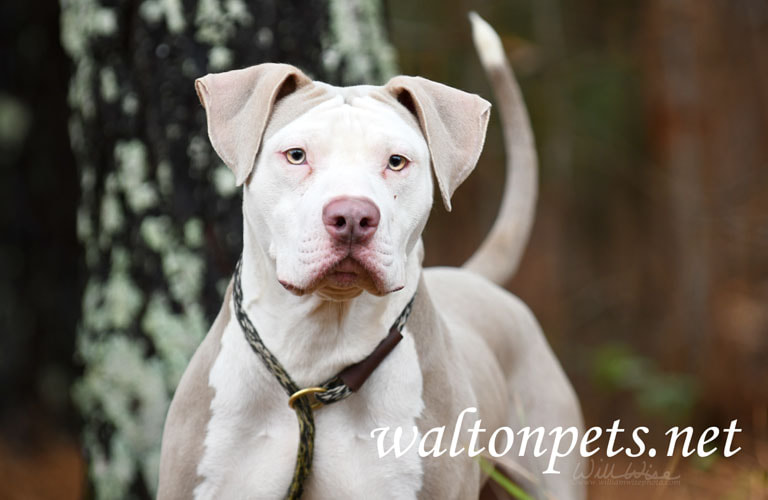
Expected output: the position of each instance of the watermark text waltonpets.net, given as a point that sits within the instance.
(564, 441)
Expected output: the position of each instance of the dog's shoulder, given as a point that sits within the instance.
(462, 293)
(473, 306)
(189, 413)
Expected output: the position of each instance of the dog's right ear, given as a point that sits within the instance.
(238, 105)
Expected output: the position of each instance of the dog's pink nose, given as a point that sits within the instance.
(351, 219)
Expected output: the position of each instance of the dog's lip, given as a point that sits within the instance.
(347, 272)
(292, 288)
(363, 272)
(348, 265)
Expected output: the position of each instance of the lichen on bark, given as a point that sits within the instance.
(356, 45)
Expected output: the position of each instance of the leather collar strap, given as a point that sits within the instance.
(334, 389)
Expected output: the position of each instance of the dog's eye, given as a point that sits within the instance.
(397, 162)
(295, 156)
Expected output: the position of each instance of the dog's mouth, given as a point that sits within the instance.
(345, 279)
(347, 273)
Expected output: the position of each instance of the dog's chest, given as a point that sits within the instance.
(251, 439)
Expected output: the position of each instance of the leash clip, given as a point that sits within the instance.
(309, 391)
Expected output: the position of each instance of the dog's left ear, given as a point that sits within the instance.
(238, 105)
(453, 122)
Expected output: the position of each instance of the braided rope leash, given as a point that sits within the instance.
(334, 389)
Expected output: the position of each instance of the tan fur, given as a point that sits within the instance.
(500, 253)
(454, 125)
(187, 420)
(237, 119)
(515, 375)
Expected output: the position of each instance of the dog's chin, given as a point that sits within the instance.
(343, 281)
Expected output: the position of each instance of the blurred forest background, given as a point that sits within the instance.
(648, 264)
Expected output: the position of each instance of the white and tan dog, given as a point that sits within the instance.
(337, 188)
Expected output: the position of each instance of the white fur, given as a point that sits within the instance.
(250, 446)
(252, 437)
(348, 147)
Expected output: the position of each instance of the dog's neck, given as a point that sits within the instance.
(312, 337)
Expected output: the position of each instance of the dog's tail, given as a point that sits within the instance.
(499, 255)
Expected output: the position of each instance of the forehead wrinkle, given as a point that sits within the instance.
(367, 143)
(365, 125)
(378, 125)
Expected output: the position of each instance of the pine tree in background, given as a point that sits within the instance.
(160, 218)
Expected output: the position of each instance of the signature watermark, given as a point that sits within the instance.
(634, 473)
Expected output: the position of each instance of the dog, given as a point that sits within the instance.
(337, 188)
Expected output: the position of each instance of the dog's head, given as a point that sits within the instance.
(337, 179)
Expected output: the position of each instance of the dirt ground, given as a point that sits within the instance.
(736, 478)
(55, 471)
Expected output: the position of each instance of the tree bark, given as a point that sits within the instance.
(707, 100)
(160, 218)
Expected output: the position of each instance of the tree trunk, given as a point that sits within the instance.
(707, 96)
(160, 218)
